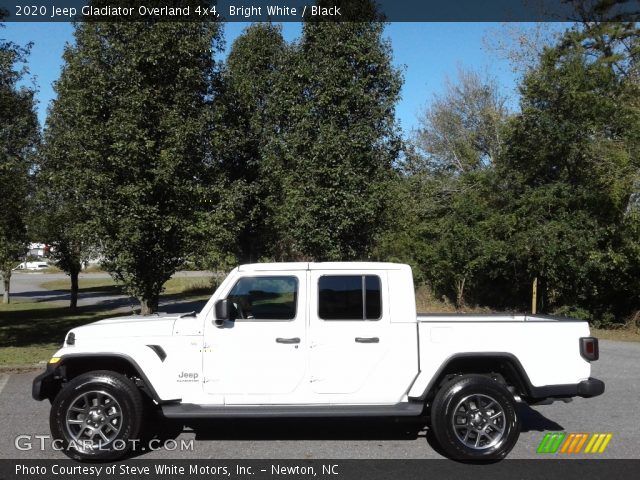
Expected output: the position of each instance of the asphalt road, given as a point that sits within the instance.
(616, 412)
(28, 286)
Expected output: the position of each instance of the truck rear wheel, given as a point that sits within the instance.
(474, 418)
(97, 416)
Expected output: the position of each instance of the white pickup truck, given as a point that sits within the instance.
(309, 340)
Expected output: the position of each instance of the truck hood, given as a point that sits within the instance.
(133, 326)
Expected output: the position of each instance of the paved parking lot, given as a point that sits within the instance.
(617, 412)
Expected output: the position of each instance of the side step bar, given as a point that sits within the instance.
(190, 410)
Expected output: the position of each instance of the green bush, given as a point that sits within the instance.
(573, 311)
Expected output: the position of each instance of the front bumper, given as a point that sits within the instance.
(44, 385)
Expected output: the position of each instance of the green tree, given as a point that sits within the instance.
(571, 169)
(59, 215)
(559, 198)
(251, 68)
(400, 236)
(336, 139)
(461, 130)
(448, 211)
(449, 228)
(461, 235)
(64, 200)
(136, 98)
(18, 139)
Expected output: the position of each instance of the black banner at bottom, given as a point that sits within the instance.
(319, 469)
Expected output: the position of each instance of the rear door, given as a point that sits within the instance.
(354, 351)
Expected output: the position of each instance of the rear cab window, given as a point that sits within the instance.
(349, 297)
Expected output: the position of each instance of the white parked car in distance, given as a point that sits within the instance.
(32, 266)
(311, 340)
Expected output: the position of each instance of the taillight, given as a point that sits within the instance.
(589, 348)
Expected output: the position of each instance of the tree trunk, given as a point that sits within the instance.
(6, 279)
(460, 292)
(73, 304)
(149, 306)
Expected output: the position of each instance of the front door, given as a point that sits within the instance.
(262, 352)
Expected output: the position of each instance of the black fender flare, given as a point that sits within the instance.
(45, 383)
(518, 374)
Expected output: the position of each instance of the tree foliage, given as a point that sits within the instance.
(461, 130)
(134, 105)
(18, 139)
(255, 60)
(572, 167)
(335, 143)
(155, 156)
(64, 203)
(454, 216)
(558, 202)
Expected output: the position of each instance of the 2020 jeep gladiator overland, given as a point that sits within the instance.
(315, 339)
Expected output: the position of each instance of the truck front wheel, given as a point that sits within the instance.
(473, 417)
(97, 416)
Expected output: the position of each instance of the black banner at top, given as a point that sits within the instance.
(319, 10)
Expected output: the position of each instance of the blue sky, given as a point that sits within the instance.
(427, 53)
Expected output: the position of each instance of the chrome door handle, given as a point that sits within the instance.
(367, 340)
(288, 340)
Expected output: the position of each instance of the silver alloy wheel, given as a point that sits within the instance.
(94, 420)
(479, 421)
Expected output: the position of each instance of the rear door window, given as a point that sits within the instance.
(349, 297)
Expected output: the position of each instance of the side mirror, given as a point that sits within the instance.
(223, 312)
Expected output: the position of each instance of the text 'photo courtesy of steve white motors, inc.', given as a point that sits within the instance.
(356, 239)
(182, 469)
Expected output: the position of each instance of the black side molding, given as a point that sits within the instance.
(189, 410)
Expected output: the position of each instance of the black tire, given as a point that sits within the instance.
(473, 417)
(101, 404)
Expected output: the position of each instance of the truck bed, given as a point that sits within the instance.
(491, 317)
(537, 343)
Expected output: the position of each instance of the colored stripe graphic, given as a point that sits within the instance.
(598, 443)
(550, 442)
(607, 439)
(583, 439)
(543, 443)
(573, 443)
(566, 445)
(576, 444)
